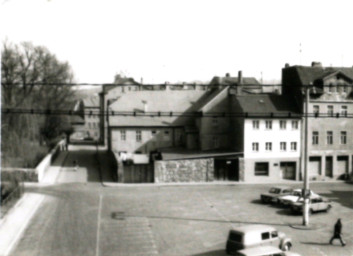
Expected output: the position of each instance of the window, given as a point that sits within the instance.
(215, 140)
(343, 137)
(138, 136)
(89, 125)
(295, 125)
(255, 124)
(166, 135)
(265, 235)
(344, 110)
(315, 138)
(283, 146)
(316, 109)
(282, 124)
(268, 125)
(123, 135)
(329, 137)
(153, 132)
(330, 110)
(274, 234)
(331, 88)
(293, 146)
(268, 146)
(261, 169)
(214, 121)
(344, 88)
(255, 147)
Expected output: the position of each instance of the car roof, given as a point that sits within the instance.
(281, 187)
(252, 228)
(260, 250)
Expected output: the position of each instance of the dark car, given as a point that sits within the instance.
(274, 193)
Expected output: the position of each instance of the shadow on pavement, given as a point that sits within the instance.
(316, 243)
(342, 197)
(258, 201)
(211, 253)
(205, 220)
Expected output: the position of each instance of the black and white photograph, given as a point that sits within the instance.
(176, 127)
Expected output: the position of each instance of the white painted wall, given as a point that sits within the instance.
(275, 135)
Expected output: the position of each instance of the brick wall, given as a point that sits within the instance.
(187, 170)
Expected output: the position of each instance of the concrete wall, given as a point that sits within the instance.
(44, 165)
(190, 170)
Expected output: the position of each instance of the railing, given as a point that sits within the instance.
(10, 200)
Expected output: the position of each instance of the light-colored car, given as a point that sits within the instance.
(274, 193)
(294, 197)
(249, 236)
(265, 251)
(316, 204)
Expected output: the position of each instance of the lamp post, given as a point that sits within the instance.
(306, 177)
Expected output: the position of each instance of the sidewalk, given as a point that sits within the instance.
(16, 220)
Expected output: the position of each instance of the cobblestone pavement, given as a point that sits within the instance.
(89, 219)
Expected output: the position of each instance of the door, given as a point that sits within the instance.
(328, 168)
(226, 169)
(288, 170)
(314, 166)
(342, 166)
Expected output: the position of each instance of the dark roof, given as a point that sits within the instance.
(267, 103)
(92, 101)
(76, 119)
(308, 75)
(227, 80)
(209, 96)
(122, 81)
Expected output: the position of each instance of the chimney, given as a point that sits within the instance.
(240, 82)
(227, 75)
(287, 65)
(167, 86)
(315, 64)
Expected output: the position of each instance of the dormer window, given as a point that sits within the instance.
(331, 88)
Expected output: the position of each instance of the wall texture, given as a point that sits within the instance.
(190, 170)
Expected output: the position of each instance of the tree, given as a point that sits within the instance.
(33, 78)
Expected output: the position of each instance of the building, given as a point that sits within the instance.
(88, 109)
(330, 123)
(266, 128)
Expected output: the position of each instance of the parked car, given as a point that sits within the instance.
(294, 197)
(265, 251)
(316, 204)
(274, 193)
(256, 235)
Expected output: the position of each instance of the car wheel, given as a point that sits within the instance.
(287, 246)
(328, 208)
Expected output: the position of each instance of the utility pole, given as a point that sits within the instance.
(306, 158)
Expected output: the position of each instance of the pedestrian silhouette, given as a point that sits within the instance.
(337, 233)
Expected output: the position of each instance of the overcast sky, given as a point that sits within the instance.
(162, 40)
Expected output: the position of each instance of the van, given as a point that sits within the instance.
(256, 235)
(265, 251)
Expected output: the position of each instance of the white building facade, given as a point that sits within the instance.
(271, 149)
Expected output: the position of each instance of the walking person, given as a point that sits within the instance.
(337, 233)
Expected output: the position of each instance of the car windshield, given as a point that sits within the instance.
(275, 190)
(297, 193)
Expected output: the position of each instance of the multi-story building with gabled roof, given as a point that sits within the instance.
(330, 122)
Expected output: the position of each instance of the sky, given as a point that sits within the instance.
(183, 40)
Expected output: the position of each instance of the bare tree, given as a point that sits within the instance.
(33, 78)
